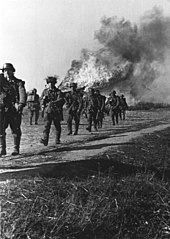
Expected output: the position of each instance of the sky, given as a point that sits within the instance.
(42, 37)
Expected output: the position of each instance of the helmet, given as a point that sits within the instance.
(8, 66)
(51, 79)
(114, 92)
(73, 85)
(34, 90)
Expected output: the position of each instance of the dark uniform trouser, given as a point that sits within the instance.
(123, 113)
(13, 119)
(114, 116)
(91, 117)
(48, 119)
(31, 114)
(2, 130)
(100, 119)
(76, 117)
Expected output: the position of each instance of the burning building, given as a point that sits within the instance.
(131, 59)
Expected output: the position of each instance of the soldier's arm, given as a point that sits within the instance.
(80, 104)
(60, 101)
(22, 93)
(103, 103)
(117, 102)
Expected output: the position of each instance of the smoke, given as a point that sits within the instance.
(132, 58)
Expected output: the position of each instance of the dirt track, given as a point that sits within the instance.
(38, 159)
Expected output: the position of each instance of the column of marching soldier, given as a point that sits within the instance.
(13, 98)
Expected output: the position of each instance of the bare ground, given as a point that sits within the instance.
(36, 159)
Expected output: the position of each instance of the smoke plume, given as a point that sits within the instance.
(132, 58)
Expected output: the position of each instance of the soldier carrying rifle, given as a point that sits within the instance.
(92, 107)
(74, 104)
(52, 102)
(114, 102)
(123, 107)
(16, 103)
(100, 114)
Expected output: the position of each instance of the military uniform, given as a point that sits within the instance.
(52, 103)
(114, 102)
(6, 99)
(92, 107)
(13, 115)
(33, 103)
(74, 104)
(123, 107)
(100, 114)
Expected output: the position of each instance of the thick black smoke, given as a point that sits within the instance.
(134, 55)
(142, 47)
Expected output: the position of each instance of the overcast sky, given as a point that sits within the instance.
(42, 37)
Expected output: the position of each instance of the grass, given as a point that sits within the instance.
(126, 196)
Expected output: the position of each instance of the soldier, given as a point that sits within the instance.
(13, 116)
(33, 103)
(4, 105)
(123, 107)
(92, 107)
(52, 102)
(100, 115)
(114, 101)
(74, 104)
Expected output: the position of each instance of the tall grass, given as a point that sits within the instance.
(97, 207)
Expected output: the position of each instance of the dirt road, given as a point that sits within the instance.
(37, 159)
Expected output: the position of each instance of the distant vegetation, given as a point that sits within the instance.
(148, 106)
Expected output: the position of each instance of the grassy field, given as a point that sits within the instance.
(122, 194)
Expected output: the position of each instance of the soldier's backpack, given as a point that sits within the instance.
(31, 96)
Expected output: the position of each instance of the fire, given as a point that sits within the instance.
(130, 58)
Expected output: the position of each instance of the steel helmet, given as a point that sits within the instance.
(51, 79)
(72, 84)
(8, 66)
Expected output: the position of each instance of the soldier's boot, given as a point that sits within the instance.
(36, 118)
(2, 146)
(44, 141)
(95, 128)
(57, 140)
(76, 128)
(30, 121)
(69, 126)
(88, 128)
(16, 145)
(113, 121)
(45, 138)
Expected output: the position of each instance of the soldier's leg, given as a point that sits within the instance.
(31, 113)
(117, 117)
(77, 122)
(69, 123)
(15, 124)
(124, 112)
(120, 114)
(2, 134)
(89, 120)
(36, 116)
(46, 131)
(57, 124)
(112, 117)
(100, 120)
(95, 120)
